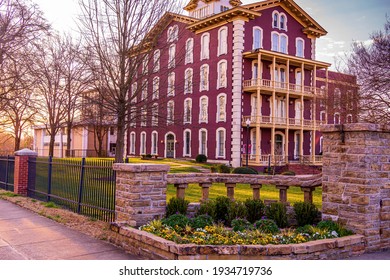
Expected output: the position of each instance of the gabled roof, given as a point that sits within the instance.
(310, 26)
(193, 4)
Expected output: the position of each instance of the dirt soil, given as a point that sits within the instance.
(97, 229)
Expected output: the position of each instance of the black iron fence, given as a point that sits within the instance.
(85, 186)
(7, 165)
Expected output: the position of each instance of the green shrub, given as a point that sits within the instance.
(306, 213)
(241, 225)
(277, 211)
(267, 226)
(177, 206)
(236, 210)
(255, 209)
(207, 208)
(202, 221)
(222, 207)
(331, 225)
(201, 158)
(222, 168)
(244, 170)
(176, 221)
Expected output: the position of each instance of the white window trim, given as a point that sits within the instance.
(261, 37)
(205, 49)
(218, 107)
(200, 109)
(278, 19)
(189, 57)
(172, 33)
(296, 151)
(145, 64)
(334, 118)
(200, 141)
(190, 89)
(171, 87)
(144, 91)
(222, 49)
(156, 88)
(283, 141)
(185, 143)
(142, 146)
(165, 143)
(132, 143)
(285, 22)
(144, 115)
(303, 46)
(280, 43)
(171, 121)
(185, 102)
(219, 74)
(156, 61)
(154, 116)
(217, 155)
(279, 47)
(208, 78)
(171, 56)
(151, 144)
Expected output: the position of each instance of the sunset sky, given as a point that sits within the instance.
(345, 20)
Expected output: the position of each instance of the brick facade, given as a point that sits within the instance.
(21, 170)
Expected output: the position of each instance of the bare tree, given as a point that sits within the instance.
(115, 33)
(371, 65)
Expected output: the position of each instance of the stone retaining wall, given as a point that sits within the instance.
(149, 246)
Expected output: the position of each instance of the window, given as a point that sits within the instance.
(298, 80)
(133, 114)
(279, 42)
(144, 92)
(132, 143)
(254, 105)
(187, 143)
(205, 42)
(145, 65)
(222, 41)
(337, 98)
(173, 33)
(297, 145)
(283, 22)
(349, 118)
(156, 87)
(283, 43)
(171, 84)
(189, 58)
(153, 149)
(257, 37)
(222, 76)
(142, 150)
(221, 108)
(203, 112)
(300, 47)
(221, 140)
(203, 142)
(155, 114)
(156, 61)
(172, 53)
(275, 19)
(170, 112)
(323, 117)
(204, 77)
(275, 42)
(134, 90)
(188, 110)
(255, 70)
(336, 118)
(188, 80)
(144, 113)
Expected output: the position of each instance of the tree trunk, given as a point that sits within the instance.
(51, 145)
(68, 138)
(120, 140)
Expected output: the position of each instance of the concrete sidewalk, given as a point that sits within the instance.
(25, 235)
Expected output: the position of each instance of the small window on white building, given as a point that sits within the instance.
(222, 41)
(205, 46)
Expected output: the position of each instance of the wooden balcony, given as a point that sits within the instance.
(254, 84)
(268, 121)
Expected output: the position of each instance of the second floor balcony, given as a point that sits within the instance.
(269, 121)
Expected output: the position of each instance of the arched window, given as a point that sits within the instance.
(203, 141)
(222, 41)
(155, 114)
(204, 48)
(257, 37)
(187, 143)
(222, 76)
(300, 47)
(275, 41)
(172, 33)
(283, 22)
(188, 80)
(275, 19)
(283, 43)
(204, 77)
(144, 92)
(170, 112)
(143, 143)
(171, 84)
(132, 143)
(156, 61)
(156, 87)
(221, 107)
(188, 110)
(154, 147)
(172, 53)
(336, 118)
(189, 58)
(221, 143)
(203, 110)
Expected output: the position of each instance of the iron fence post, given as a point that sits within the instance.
(50, 172)
(6, 173)
(81, 185)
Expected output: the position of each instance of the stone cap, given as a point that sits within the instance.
(26, 152)
(141, 167)
(355, 127)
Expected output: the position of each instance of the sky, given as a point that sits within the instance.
(345, 20)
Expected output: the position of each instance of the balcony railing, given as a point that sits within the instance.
(293, 88)
(292, 122)
(281, 160)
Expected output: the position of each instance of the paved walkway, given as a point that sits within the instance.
(25, 235)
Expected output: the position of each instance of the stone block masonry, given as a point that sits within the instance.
(356, 180)
(140, 193)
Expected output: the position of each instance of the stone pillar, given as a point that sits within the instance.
(356, 180)
(21, 176)
(140, 193)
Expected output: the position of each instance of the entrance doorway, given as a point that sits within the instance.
(170, 146)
